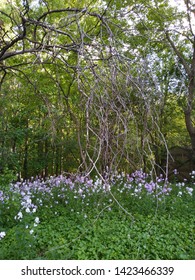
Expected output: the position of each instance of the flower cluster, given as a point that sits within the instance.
(36, 193)
(57, 187)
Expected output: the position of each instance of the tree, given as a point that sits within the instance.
(93, 75)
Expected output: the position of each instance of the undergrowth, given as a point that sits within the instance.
(131, 217)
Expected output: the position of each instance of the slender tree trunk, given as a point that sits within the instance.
(25, 165)
(46, 159)
(57, 160)
(189, 107)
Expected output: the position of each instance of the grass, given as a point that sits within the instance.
(80, 219)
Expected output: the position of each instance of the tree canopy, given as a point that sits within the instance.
(92, 86)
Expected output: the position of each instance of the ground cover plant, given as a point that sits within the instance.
(125, 216)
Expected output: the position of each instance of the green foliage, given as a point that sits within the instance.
(6, 177)
(111, 237)
(96, 227)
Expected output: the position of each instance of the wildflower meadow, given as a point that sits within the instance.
(125, 216)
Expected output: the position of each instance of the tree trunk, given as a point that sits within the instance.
(190, 128)
(46, 159)
(190, 100)
(25, 165)
(190, 71)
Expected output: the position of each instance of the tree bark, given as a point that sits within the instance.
(190, 128)
(190, 71)
(190, 99)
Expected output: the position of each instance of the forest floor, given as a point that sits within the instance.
(78, 218)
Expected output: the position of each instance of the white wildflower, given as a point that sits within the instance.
(37, 220)
(27, 210)
(179, 194)
(2, 235)
(19, 216)
(189, 190)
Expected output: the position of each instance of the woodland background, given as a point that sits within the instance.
(90, 86)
